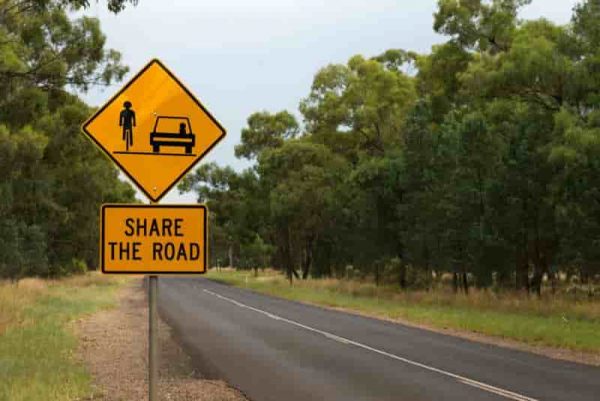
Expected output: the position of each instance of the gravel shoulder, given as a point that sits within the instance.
(114, 348)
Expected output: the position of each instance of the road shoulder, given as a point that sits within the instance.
(565, 354)
(113, 346)
(585, 358)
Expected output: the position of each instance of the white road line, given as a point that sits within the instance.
(461, 379)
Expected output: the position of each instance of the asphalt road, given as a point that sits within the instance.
(273, 349)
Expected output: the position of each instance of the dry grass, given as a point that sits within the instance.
(508, 301)
(36, 343)
(15, 298)
(560, 321)
(33, 284)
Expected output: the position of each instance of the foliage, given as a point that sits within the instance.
(478, 160)
(266, 131)
(53, 181)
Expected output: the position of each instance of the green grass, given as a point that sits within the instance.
(37, 344)
(551, 321)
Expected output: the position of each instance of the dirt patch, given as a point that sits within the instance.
(114, 347)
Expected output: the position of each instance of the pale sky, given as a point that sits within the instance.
(242, 56)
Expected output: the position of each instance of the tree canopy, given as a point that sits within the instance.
(53, 180)
(478, 160)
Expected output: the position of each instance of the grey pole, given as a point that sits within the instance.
(152, 338)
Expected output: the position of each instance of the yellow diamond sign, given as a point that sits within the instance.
(154, 129)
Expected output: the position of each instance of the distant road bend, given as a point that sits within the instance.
(274, 349)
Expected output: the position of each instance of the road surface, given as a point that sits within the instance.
(274, 349)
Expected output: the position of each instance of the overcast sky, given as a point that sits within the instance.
(242, 56)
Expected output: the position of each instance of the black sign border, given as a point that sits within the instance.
(142, 206)
(114, 160)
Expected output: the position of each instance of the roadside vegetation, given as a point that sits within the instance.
(560, 321)
(476, 161)
(53, 180)
(37, 345)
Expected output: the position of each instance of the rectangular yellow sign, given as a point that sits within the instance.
(153, 239)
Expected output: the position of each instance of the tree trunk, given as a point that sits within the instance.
(230, 255)
(539, 269)
(307, 260)
(536, 282)
(587, 278)
(554, 281)
(291, 262)
(402, 276)
(522, 271)
(455, 282)
(465, 282)
(286, 255)
(428, 269)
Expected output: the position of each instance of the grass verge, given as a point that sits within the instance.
(37, 346)
(556, 322)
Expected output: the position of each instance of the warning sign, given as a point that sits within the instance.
(153, 239)
(154, 129)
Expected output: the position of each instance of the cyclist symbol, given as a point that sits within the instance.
(127, 121)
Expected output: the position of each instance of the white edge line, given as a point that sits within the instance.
(464, 380)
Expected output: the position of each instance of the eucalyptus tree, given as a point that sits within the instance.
(53, 181)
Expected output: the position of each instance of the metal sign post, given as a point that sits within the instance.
(173, 131)
(152, 337)
(153, 239)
